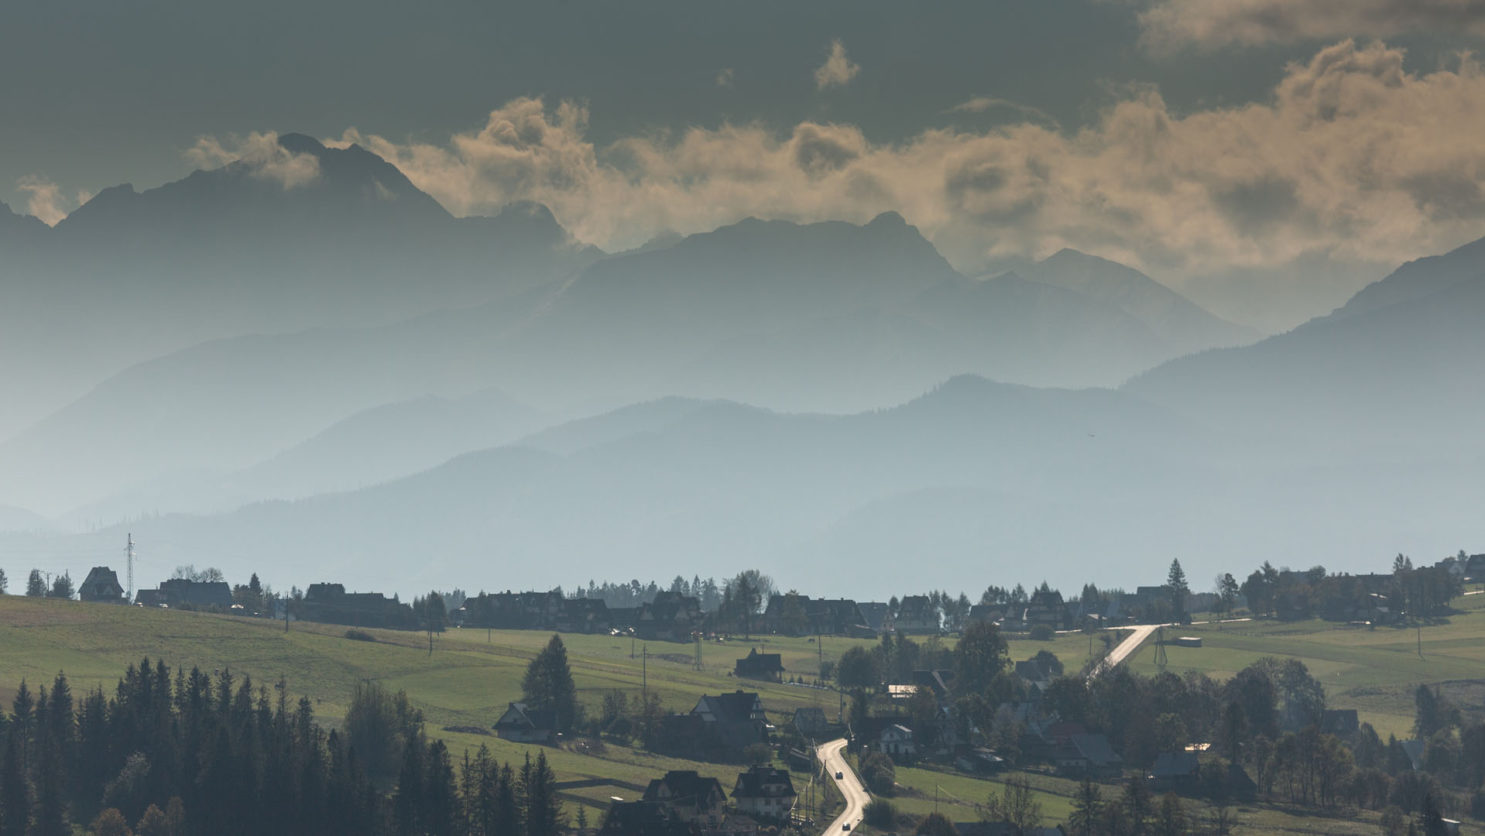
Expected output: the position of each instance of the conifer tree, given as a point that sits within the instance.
(548, 685)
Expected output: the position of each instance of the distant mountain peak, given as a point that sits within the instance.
(301, 144)
(888, 218)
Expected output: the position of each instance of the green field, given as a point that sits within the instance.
(472, 674)
(1372, 670)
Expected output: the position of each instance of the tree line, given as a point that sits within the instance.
(180, 754)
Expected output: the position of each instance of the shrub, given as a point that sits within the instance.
(360, 636)
(881, 814)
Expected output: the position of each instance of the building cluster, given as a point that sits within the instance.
(685, 803)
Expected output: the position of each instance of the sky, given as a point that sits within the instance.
(1187, 138)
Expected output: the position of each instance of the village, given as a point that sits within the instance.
(929, 684)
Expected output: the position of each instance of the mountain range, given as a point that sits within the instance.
(793, 396)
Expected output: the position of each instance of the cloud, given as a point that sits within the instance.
(987, 104)
(46, 201)
(1209, 24)
(261, 153)
(1352, 158)
(837, 71)
(724, 77)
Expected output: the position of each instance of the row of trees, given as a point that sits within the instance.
(181, 753)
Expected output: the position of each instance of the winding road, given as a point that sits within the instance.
(832, 755)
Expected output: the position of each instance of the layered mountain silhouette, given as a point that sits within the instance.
(312, 237)
(1393, 373)
(829, 317)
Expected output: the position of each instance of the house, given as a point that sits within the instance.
(179, 593)
(719, 728)
(757, 665)
(1178, 772)
(670, 617)
(876, 616)
(689, 797)
(1046, 608)
(329, 603)
(896, 741)
(644, 818)
(150, 598)
(1087, 754)
(101, 585)
(915, 614)
(811, 722)
(524, 724)
(978, 760)
(764, 792)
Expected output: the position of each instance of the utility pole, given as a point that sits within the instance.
(129, 561)
(644, 671)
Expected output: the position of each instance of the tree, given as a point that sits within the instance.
(542, 811)
(1016, 806)
(35, 586)
(1087, 809)
(111, 822)
(936, 824)
(61, 586)
(979, 658)
(4, 584)
(548, 686)
(189, 572)
(1227, 594)
(878, 773)
(1170, 820)
(1177, 587)
(880, 813)
(857, 669)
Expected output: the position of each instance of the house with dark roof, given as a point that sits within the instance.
(102, 586)
(1046, 608)
(180, 593)
(1088, 754)
(524, 724)
(1178, 772)
(644, 818)
(755, 665)
(689, 797)
(916, 615)
(876, 616)
(765, 793)
(719, 728)
(670, 617)
(329, 603)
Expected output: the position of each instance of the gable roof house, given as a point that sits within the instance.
(1088, 754)
(689, 796)
(876, 616)
(718, 728)
(757, 665)
(764, 792)
(670, 617)
(180, 593)
(897, 741)
(915, 614)
(101, 585)
(524, 724)
(1178, 772)
(329, 603)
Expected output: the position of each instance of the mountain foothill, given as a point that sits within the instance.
(335, 372)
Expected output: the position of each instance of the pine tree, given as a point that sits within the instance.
(1177, 587)
(1087, 809)
(548, 685)
(35, 586)
(15, 790)
(542, 811)
(4, 582)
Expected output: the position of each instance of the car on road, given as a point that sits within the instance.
(839, 775)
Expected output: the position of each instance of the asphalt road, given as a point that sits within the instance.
(832, 754)
(1137, 636)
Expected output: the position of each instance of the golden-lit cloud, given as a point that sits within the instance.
(1208, 24)
(261, 153)
(838, 70)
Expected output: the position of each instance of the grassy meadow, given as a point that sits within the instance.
(472, 674)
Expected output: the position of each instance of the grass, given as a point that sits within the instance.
(466, 682)
(1374, 670)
